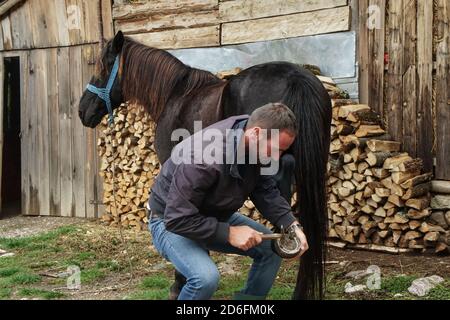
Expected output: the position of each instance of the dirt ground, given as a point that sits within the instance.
(107, 257)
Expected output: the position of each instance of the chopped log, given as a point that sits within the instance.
(419, 203)
(418, 214)
(417, 191)
(395, 161)
(414, 165)
(345, 111)
(383, 146)
(400, 177)
(417, 180)
(377, 159)
(369, 131)
(365, 117)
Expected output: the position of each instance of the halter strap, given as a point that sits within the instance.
(105, 93)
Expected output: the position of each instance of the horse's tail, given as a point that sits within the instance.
(312, 105)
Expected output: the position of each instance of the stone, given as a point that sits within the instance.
(6, 255)
(440, 202)
(447, 217)
(438, 217)
(421, 287)
(349, 288)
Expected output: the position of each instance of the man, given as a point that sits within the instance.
(194, 203)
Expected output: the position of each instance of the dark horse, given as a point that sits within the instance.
(176, 95)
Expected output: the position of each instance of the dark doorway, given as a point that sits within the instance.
(11, 177)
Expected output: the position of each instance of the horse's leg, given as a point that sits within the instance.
(285, 176)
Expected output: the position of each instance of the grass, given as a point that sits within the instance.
(39, 293)
(104, 261)
(397, 284)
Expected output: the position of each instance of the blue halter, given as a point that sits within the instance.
(105, 93)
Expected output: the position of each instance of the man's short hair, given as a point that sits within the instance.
(274, 116)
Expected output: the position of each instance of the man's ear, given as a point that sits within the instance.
(118, 42)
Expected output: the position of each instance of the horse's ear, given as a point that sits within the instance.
(118, 42)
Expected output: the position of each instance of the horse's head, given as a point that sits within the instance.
(104, 92)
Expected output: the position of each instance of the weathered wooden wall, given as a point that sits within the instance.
(57, 42)
(405, 75)
(50, 23)
(59, 158)
(170, 24)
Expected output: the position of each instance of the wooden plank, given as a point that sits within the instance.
(394, 96)
(376, 54)
(409, 78)
(442, 91)
(409, 112)
(144, 9)
(38, 24)
(75, 21)
(185, 38)
(7, 33)
(363, 34)
(90, 163)
(25, 135)
(65, 134)
(240, 10)
(1, 38)
(78, 132)
(2, 107)
(169, 21)
(53, 133)
(62, 23)
(108, 25)
(90, 16)
(21, 30)
(33, 125)
(425, 83)
(43, 155)
(294, 25)
(8, 5)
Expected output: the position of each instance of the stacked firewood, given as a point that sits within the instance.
(129, 165)
(377, 193)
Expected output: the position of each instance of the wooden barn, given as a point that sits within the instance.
(47, 54)
(390, 54)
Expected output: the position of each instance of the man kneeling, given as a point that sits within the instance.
(194, 203)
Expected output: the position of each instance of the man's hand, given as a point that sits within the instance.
(303, 241)
(244, 237)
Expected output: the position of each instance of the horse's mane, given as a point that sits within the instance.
(151, 76)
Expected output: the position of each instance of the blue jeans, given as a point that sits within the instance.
(191, 259)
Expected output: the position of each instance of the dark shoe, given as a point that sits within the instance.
(177, 286)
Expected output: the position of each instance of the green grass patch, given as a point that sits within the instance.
(397, 284)
(155, 282)
(5, 293)
(158, 294)
(8, 272)
(24, 278)
(38, 293)
(441, 292)
(91, 275)
(36, 242)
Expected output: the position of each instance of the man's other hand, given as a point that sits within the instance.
(244, 237)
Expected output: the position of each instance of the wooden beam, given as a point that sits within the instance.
(8, 5)
(288, 26)
(254, 9)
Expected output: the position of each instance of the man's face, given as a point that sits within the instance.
(269, 149)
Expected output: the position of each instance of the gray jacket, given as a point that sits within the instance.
(196, 200)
